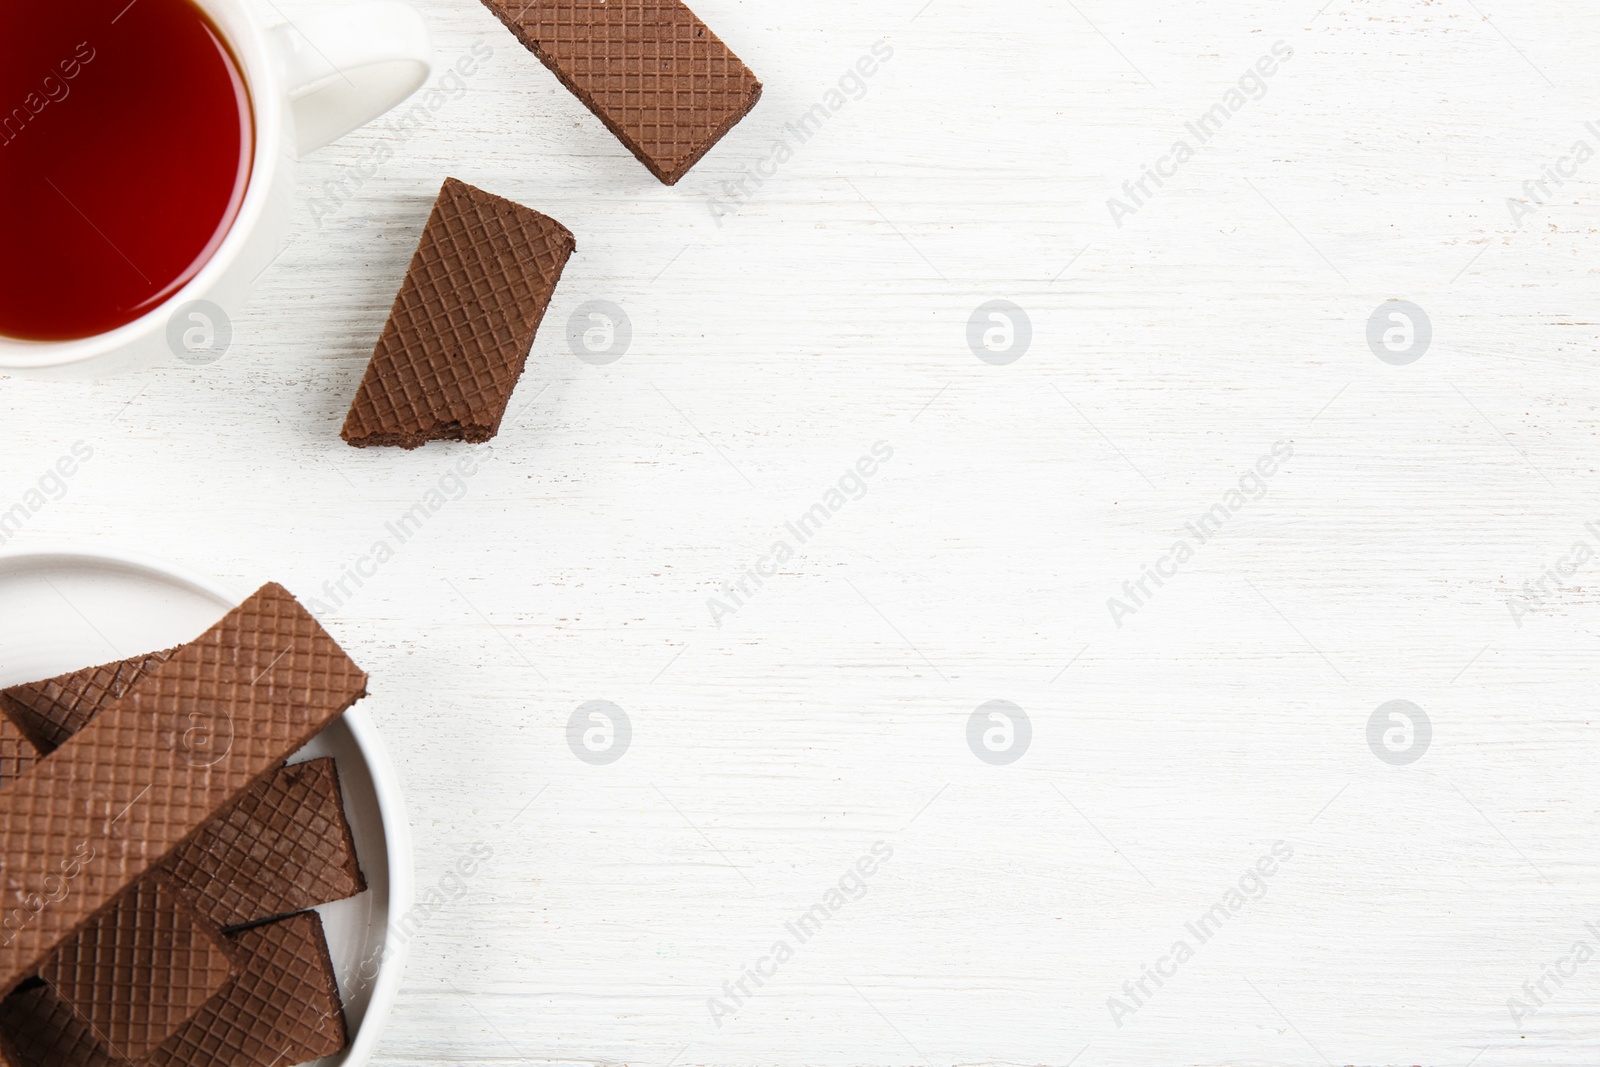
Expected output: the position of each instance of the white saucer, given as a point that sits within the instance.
(63, 609)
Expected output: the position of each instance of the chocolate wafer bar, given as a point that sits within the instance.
(283, 1009)
(285, 847)
(53, 710)
(649, 69)
(148, 771)
(17, 753)
(460, 330)
(141, 969)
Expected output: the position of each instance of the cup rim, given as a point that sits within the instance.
(248, 39)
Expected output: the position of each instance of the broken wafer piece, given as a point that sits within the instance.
(649, 69)
(461, 328)
(151, 769)
(53, 710)
(285, 847)
(141, 968)
(282, 1009)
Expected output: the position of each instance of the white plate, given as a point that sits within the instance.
(62, 609)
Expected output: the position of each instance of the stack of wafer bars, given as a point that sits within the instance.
(159, 858)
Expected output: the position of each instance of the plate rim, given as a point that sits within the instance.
(385, 780)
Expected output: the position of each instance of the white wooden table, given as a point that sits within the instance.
(829, 711)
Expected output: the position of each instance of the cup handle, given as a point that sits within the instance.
(346, 66)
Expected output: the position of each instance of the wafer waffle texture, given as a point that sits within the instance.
(650, 70)
(123, 794)
(38, 1029)
(282, 1008)
(285, 847)
(141, 968)
(51, 711)
(458, 335)
(17, 753)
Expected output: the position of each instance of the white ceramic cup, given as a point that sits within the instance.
(311, 82)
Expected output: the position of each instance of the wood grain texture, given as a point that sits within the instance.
(830, 712)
